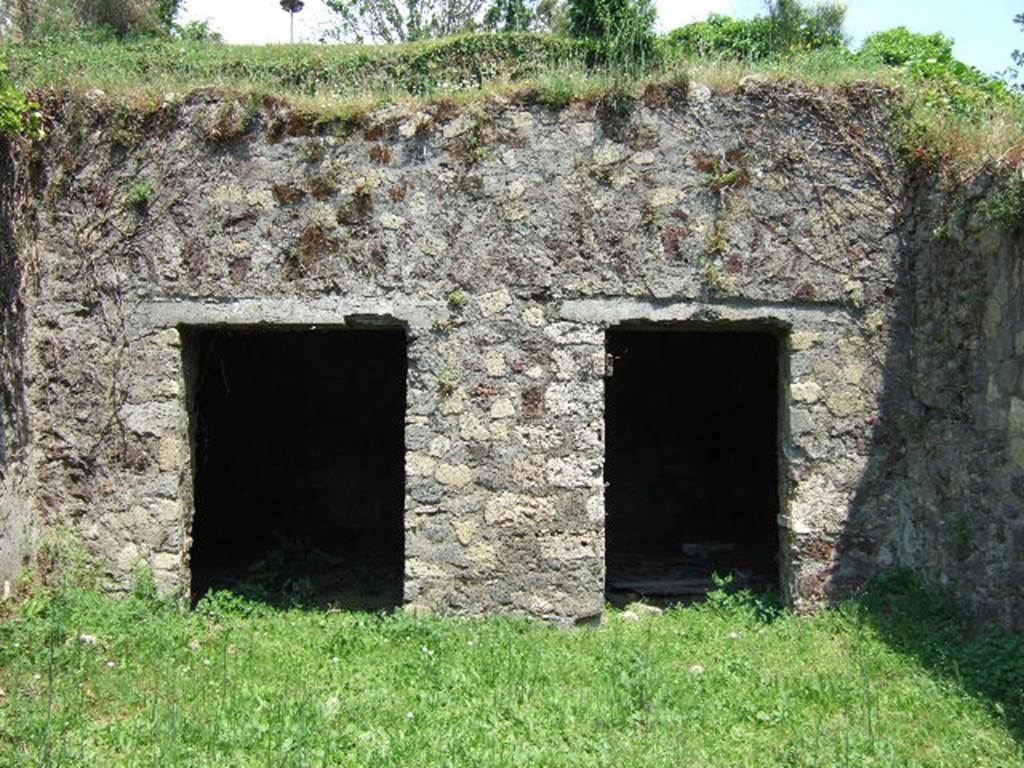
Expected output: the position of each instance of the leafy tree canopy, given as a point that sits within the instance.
(26, 19)
(400, 21)
(623, 30)
(1018, 55)
(509, 16)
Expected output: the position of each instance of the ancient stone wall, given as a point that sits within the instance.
(506, 237)
(955, 487)
(15, 493)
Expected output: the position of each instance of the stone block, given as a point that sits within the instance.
(494, 364)
(805, 391)
(456, 475)
(567, 333)
(418, 465)
(517, 510)
(502, 408)
(574, 472)
(492, 303)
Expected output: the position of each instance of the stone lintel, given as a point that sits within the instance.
(610, 311)
(324, 311)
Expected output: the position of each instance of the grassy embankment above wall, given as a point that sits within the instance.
(947, 111)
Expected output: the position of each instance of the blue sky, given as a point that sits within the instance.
(983, 29)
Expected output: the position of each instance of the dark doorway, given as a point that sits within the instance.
(298, 443)
(692, 461)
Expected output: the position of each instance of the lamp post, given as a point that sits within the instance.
(293, 7)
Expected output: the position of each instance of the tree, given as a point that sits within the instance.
(622, 30)
(795, 26)
(400, 21)
(166, 11)
(552, 16)
(1018, 55)
(526, 15)
(292, 7)
(509, 16)
(125, 18)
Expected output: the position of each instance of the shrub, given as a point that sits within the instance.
(723, 36)
(789, 27)
(948, 84)
(197, 32)
(900, 46)
(1004, 208)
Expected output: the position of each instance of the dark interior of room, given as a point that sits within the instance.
(692, 461)
(298, 443)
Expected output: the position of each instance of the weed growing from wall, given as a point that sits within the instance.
(139, 196)
(1004, 208)
(18, 114)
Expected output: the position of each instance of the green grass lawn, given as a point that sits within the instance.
(891, 681)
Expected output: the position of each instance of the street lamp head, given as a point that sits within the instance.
(292, 6)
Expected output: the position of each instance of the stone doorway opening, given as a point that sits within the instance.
(298, 464)
(692, 460)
